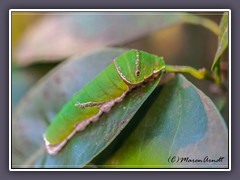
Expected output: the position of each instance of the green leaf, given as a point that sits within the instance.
(222, 44)
(46, 98)
(181, 121)
(82, 32)
(24, 78)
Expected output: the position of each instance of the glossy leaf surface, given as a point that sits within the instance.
(181, 123)
(222, 41)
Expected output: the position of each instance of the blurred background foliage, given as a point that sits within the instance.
(21, 22)
(35, 34)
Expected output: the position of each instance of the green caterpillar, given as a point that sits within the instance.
(127, 71)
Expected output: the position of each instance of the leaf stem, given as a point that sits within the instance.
(199, 74)
(198, 20)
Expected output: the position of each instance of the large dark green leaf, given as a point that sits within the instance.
(180, 122)
(45, 99)
(58, 36)
(24, 78)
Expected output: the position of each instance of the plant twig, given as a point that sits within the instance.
(207, 23)
(199, 74)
